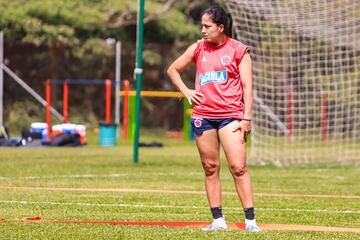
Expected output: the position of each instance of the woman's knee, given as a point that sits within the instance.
(238, 170)
(210, 168)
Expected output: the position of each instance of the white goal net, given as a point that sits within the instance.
(306, 71)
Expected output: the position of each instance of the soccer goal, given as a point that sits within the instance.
(306, 70)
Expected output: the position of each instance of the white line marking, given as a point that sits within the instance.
(164, 191)
(112, 175)
(177, 207)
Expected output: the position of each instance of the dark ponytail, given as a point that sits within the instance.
(220, 16)
(229, 28)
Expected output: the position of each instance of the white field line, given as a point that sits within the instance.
(165, 191)
(175, 207)
(113, 175)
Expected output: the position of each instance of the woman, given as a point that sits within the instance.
(222, 109)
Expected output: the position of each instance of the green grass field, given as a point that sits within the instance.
(173, 167)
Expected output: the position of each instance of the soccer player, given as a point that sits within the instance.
(222, 109)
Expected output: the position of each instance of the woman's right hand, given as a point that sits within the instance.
(193, 96)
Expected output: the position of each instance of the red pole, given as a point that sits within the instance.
(48, 104)
(107, 101)
(290, 113)
(65, 102)
(324, 117)
(126, 110)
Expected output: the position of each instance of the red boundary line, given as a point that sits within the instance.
(232, 226)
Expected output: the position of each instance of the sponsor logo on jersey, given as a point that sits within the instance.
(225, 60)
(218, 76)
(197, 122)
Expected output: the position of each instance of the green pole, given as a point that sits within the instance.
(131, 116)
(186, 120)
(138, 73)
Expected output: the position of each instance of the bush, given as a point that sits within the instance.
(20, 115)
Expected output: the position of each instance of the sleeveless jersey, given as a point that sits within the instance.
(218, 78)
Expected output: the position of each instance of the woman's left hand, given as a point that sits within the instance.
(244, 127)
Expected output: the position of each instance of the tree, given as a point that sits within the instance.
(65, 39)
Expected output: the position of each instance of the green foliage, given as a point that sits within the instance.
(22, 114)
(176, 25)
(93, 47)
(73, 22)
(89, 119)
(152, 57)
(48, 22)
(66, 39)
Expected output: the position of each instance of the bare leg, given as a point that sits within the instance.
(235, 152)
(208, 146)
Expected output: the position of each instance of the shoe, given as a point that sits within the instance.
(217, 224)
(251, 226)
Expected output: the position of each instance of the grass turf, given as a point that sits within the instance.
(173, 167)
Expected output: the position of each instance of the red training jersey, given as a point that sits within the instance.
(218, 78)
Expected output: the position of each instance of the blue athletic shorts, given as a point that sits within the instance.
(199, 125)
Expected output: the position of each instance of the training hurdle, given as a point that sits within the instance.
(129, 110)
(66, 84)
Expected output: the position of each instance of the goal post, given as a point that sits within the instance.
(306, 72)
